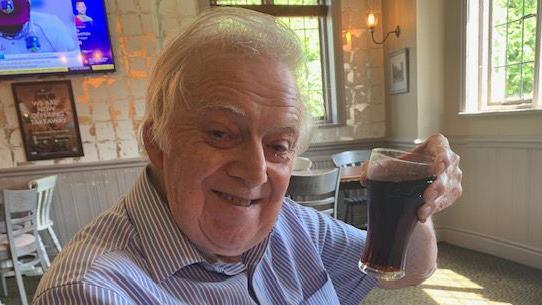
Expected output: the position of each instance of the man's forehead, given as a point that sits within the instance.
(288, 120)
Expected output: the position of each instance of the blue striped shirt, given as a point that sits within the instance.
(135, 254)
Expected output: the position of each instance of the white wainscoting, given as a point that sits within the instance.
(500, 212)
(82, 192)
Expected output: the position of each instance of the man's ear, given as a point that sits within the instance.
(156, 155)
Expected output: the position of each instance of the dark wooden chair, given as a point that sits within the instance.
(355, 194)
(317, 189)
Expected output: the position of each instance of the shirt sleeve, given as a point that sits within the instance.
(80, 294)
(340, 246)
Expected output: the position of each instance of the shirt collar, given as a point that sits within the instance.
(165, 248)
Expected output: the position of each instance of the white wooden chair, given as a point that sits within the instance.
(45, 187)
(318, 189)
(19, 247)
(302, 164)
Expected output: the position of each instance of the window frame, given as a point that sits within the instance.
(330, 49)
(476, 89)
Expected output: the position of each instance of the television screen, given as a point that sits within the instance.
(54, 36)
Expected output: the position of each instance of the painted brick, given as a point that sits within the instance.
(120, 109)
(188, 7)
(127, 6)
(119, 90)
(87, 133)
(4, 143)
(6, 161)
(139, 108)
(138, 87)
(107, 150)
(129, 149)
(15, 137)
(167, 8)
(124, 130)
(149, 24)
(19, 157)
(91, 152)
(131, 25)
(100, 112)
(11, 117)
(104, 131)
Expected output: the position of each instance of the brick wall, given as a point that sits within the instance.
(111, 106)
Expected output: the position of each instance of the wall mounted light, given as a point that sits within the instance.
(371, 24)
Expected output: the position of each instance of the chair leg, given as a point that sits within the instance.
(43, 254)
(20, 284)
(4, 285)
(347, 213)
(54, 238)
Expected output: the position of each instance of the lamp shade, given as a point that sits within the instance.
(371, 21)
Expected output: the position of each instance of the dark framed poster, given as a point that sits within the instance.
(48, 119)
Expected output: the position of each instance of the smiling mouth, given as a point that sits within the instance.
(234, 200)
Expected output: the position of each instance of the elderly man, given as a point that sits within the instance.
(207, 221)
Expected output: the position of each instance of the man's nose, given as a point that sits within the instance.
(250, 165)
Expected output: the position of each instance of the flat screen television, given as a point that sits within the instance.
(54, 36)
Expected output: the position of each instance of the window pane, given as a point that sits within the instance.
(498, 50)
(529, 6)
(498, 82)
(499, 12)
(238, 2)
(528, 76)
(515, 10)
(514, 50)
(297, 2)
(513, 82)
(311, 86)
(529, 39)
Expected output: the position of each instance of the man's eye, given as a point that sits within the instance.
(279, 148)
(218, 134)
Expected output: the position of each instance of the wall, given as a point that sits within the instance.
(402, 114)
(525, 124)
(111, 106)
(501, 155)
(364, 79)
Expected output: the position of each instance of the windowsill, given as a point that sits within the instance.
(501, 112)
(329, 125)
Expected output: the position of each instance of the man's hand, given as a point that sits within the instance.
(446, 188)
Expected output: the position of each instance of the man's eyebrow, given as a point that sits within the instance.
(225, 108)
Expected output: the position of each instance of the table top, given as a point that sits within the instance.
(350, 174)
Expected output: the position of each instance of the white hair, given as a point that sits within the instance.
(215, 32)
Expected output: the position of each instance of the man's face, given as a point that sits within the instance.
(81, 8)
(230, 161)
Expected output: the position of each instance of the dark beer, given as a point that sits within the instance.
(392, 217)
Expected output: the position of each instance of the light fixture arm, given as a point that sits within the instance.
(397, 32)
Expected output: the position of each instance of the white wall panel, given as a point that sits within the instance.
(500, 211)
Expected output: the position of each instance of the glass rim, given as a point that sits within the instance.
(379, 150)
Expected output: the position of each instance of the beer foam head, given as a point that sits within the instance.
(397, 165)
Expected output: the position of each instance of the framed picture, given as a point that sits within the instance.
(48, 119)
(399, 71)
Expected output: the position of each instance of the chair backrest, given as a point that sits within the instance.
(45, 187)
(317, 189)
(302, 164)
(20, 211)
(351, 157)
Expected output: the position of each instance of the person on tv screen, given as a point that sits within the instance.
(23, 30)
(82, 18)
